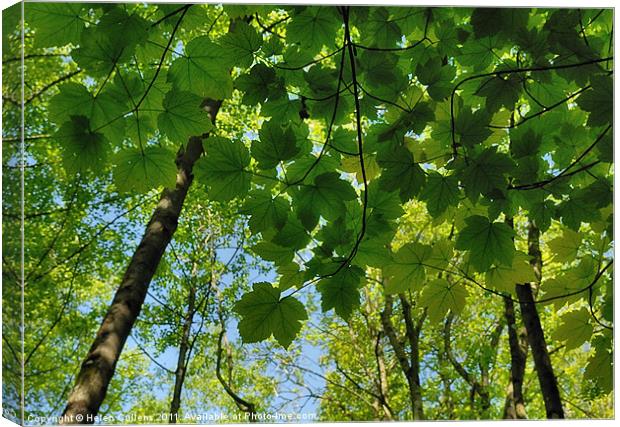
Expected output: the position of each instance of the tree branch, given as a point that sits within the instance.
(564, 172)
(504, 72)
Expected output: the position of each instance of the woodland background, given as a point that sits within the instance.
(363, 213)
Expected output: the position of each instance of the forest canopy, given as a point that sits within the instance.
(330, 212)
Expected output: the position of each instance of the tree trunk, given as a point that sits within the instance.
(475, 386)
(413, 335)
(383, 384)
(97, 369)
(375, 331)
(517, 341)
(411, 372)
(179, 374)
(249, 408)
(535, 334)
(446, 401)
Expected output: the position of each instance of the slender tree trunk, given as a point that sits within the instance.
(98, 368)
(446, 400)
(413, 335)
(517, 341)
(181, 370)
(249, 408)
(383, 384)
(411, 372)
(375, 331)
(536, 338)
(475, 386)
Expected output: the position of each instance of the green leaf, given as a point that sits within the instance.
(337, 235)
(263, 314)
(486, 172)
(381, 31)
(266, 211)
(104, 111)
(133, 86)
(471, 128)
(55, 24)
(487, 242)
(383, 203)
(479, 53)
(440, 192)
(284, 109)
(183, 117)
(202, 70)
(308, 167)
(277, 143)
(144, 169)
(524, 143)
(442, 255)
(574, 211)
(407, 269)
(605, 149)
(439, 296)
(599, 101)
(293, 235)
(11, 26)
(259, 84)
(599, 368)
(223, 169)
(565, 248)
(325, 197)
(290, 276)
(240, 10)
(314, 27)
(112, 41)
(599, 193)
(449, 37)
(500, 92)
(72, 99)
(437, 77)
(574, 329)
(541, 213)
(409, 20)
(341, 291)
(239, 45)
(82, 149)
(492, 21)
(378, 67)
(275, 253)
(400, 172)
(505, 277)
(570, 286)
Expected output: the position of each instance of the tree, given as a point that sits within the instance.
(337, 132)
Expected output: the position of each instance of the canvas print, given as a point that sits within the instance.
(233, 213)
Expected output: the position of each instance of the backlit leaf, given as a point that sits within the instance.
(487, 242)
(265, 313)
(223, 169)
(144, 169)
(439, 296)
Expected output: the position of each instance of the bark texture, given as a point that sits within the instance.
(381, 403)
(247, 407)
(479, 387)
(98, 368)
(184, 347)
(411, 370)
(514, 407)
(535, 335)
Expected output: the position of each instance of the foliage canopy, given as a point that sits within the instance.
(372, 153)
